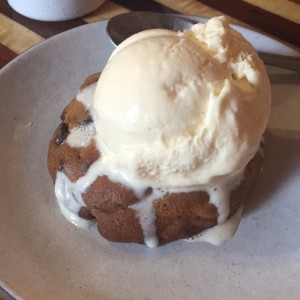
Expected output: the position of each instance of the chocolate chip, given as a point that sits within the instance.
(148, 191)
(61, 165)
(88, 120)
(62, 133)
(84, 213)
(63, 114)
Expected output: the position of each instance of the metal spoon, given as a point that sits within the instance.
(122, 26)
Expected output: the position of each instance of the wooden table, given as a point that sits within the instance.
(277, 18)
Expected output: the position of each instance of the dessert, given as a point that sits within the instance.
(164, 144)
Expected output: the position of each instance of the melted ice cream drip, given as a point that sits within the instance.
(75, 219)
(70, 200)
(146, 213)
(220, 233)
(80, 136)
(86, 95)
(219, 195)
(69, 194)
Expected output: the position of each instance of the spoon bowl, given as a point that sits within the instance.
(123, 26)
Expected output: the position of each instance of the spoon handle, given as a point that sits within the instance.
(282, 61)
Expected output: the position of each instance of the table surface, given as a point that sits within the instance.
(279, 19)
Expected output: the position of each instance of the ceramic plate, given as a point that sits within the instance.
(42, 256)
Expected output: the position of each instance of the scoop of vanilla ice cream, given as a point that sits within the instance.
(182, 109)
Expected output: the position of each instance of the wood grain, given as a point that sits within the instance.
(106, 11)
(15, 36)
(146, 5)
(196, 8)
(191, 7)
(6, 55)
(286, 9)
